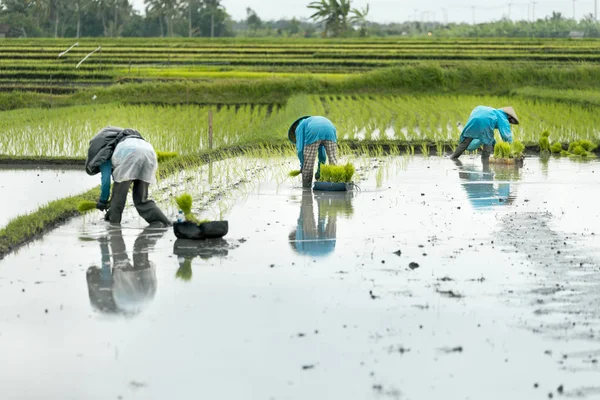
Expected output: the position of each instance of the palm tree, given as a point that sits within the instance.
(360, 17)
(154, 8)
(50, 9)
(16, 6)
(213, 7)
(166, 9)
(334, 13)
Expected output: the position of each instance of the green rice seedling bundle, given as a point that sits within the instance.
(337, 173)
(584, 144)
(505, 153)
(86, 206)
(294, 173)
(502, 150)
(184, 202)
(556, 148)
(516, 149)
(165, 155)
(580, 148)
(544, 142)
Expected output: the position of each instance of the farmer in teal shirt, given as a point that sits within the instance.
(313, 135)
(480, 130)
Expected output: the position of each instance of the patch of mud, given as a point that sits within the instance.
(567, 301)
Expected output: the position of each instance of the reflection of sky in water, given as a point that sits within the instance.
(262, 293)
(33, 188)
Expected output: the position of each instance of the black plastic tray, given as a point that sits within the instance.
(330, 186)
(206, 230)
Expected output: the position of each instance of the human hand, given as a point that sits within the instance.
(102, 205)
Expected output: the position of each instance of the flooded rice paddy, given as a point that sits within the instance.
(25, 189)
(433, 280)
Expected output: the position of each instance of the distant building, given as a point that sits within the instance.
(4, 29)
(576, 34)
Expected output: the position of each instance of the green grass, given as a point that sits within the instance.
(26, 227)
(418, 78)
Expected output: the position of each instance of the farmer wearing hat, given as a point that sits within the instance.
(313, 135)
(480, 130)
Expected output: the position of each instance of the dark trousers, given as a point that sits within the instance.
(462, 147)
(146, 208)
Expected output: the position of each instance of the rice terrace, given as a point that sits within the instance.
(360, 217)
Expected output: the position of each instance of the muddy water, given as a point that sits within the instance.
(25, 190)
(431, 281)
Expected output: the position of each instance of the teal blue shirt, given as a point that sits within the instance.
(481, 125)
(106, 172)
(311, 130)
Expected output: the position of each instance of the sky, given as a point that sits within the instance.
(425, 10)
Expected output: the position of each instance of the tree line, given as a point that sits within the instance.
(209, 18)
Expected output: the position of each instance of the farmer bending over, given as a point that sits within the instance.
(480, 130)
(130, 159)
(313, 135)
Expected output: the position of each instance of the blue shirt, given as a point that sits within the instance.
(106, 172)
(311, 130)
(481, 124)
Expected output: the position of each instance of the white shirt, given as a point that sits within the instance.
(134, 159)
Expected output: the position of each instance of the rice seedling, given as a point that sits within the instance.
(556, 148)
(439, 147)
(86, 206)
(184, 202)
(580, 148)
(585, 145)
(502, 150)
(337, 173)
(294, 173)
(516, 149)
(165, 155)
(183, 129)
(544, 142)
(508, 151)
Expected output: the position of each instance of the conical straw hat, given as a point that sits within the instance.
(292, 130)
(511, 111)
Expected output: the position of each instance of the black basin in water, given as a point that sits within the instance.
(331, 186)
(206, 230)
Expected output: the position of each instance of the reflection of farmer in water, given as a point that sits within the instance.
(480, 186)
(125, 288)
(317, 237)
